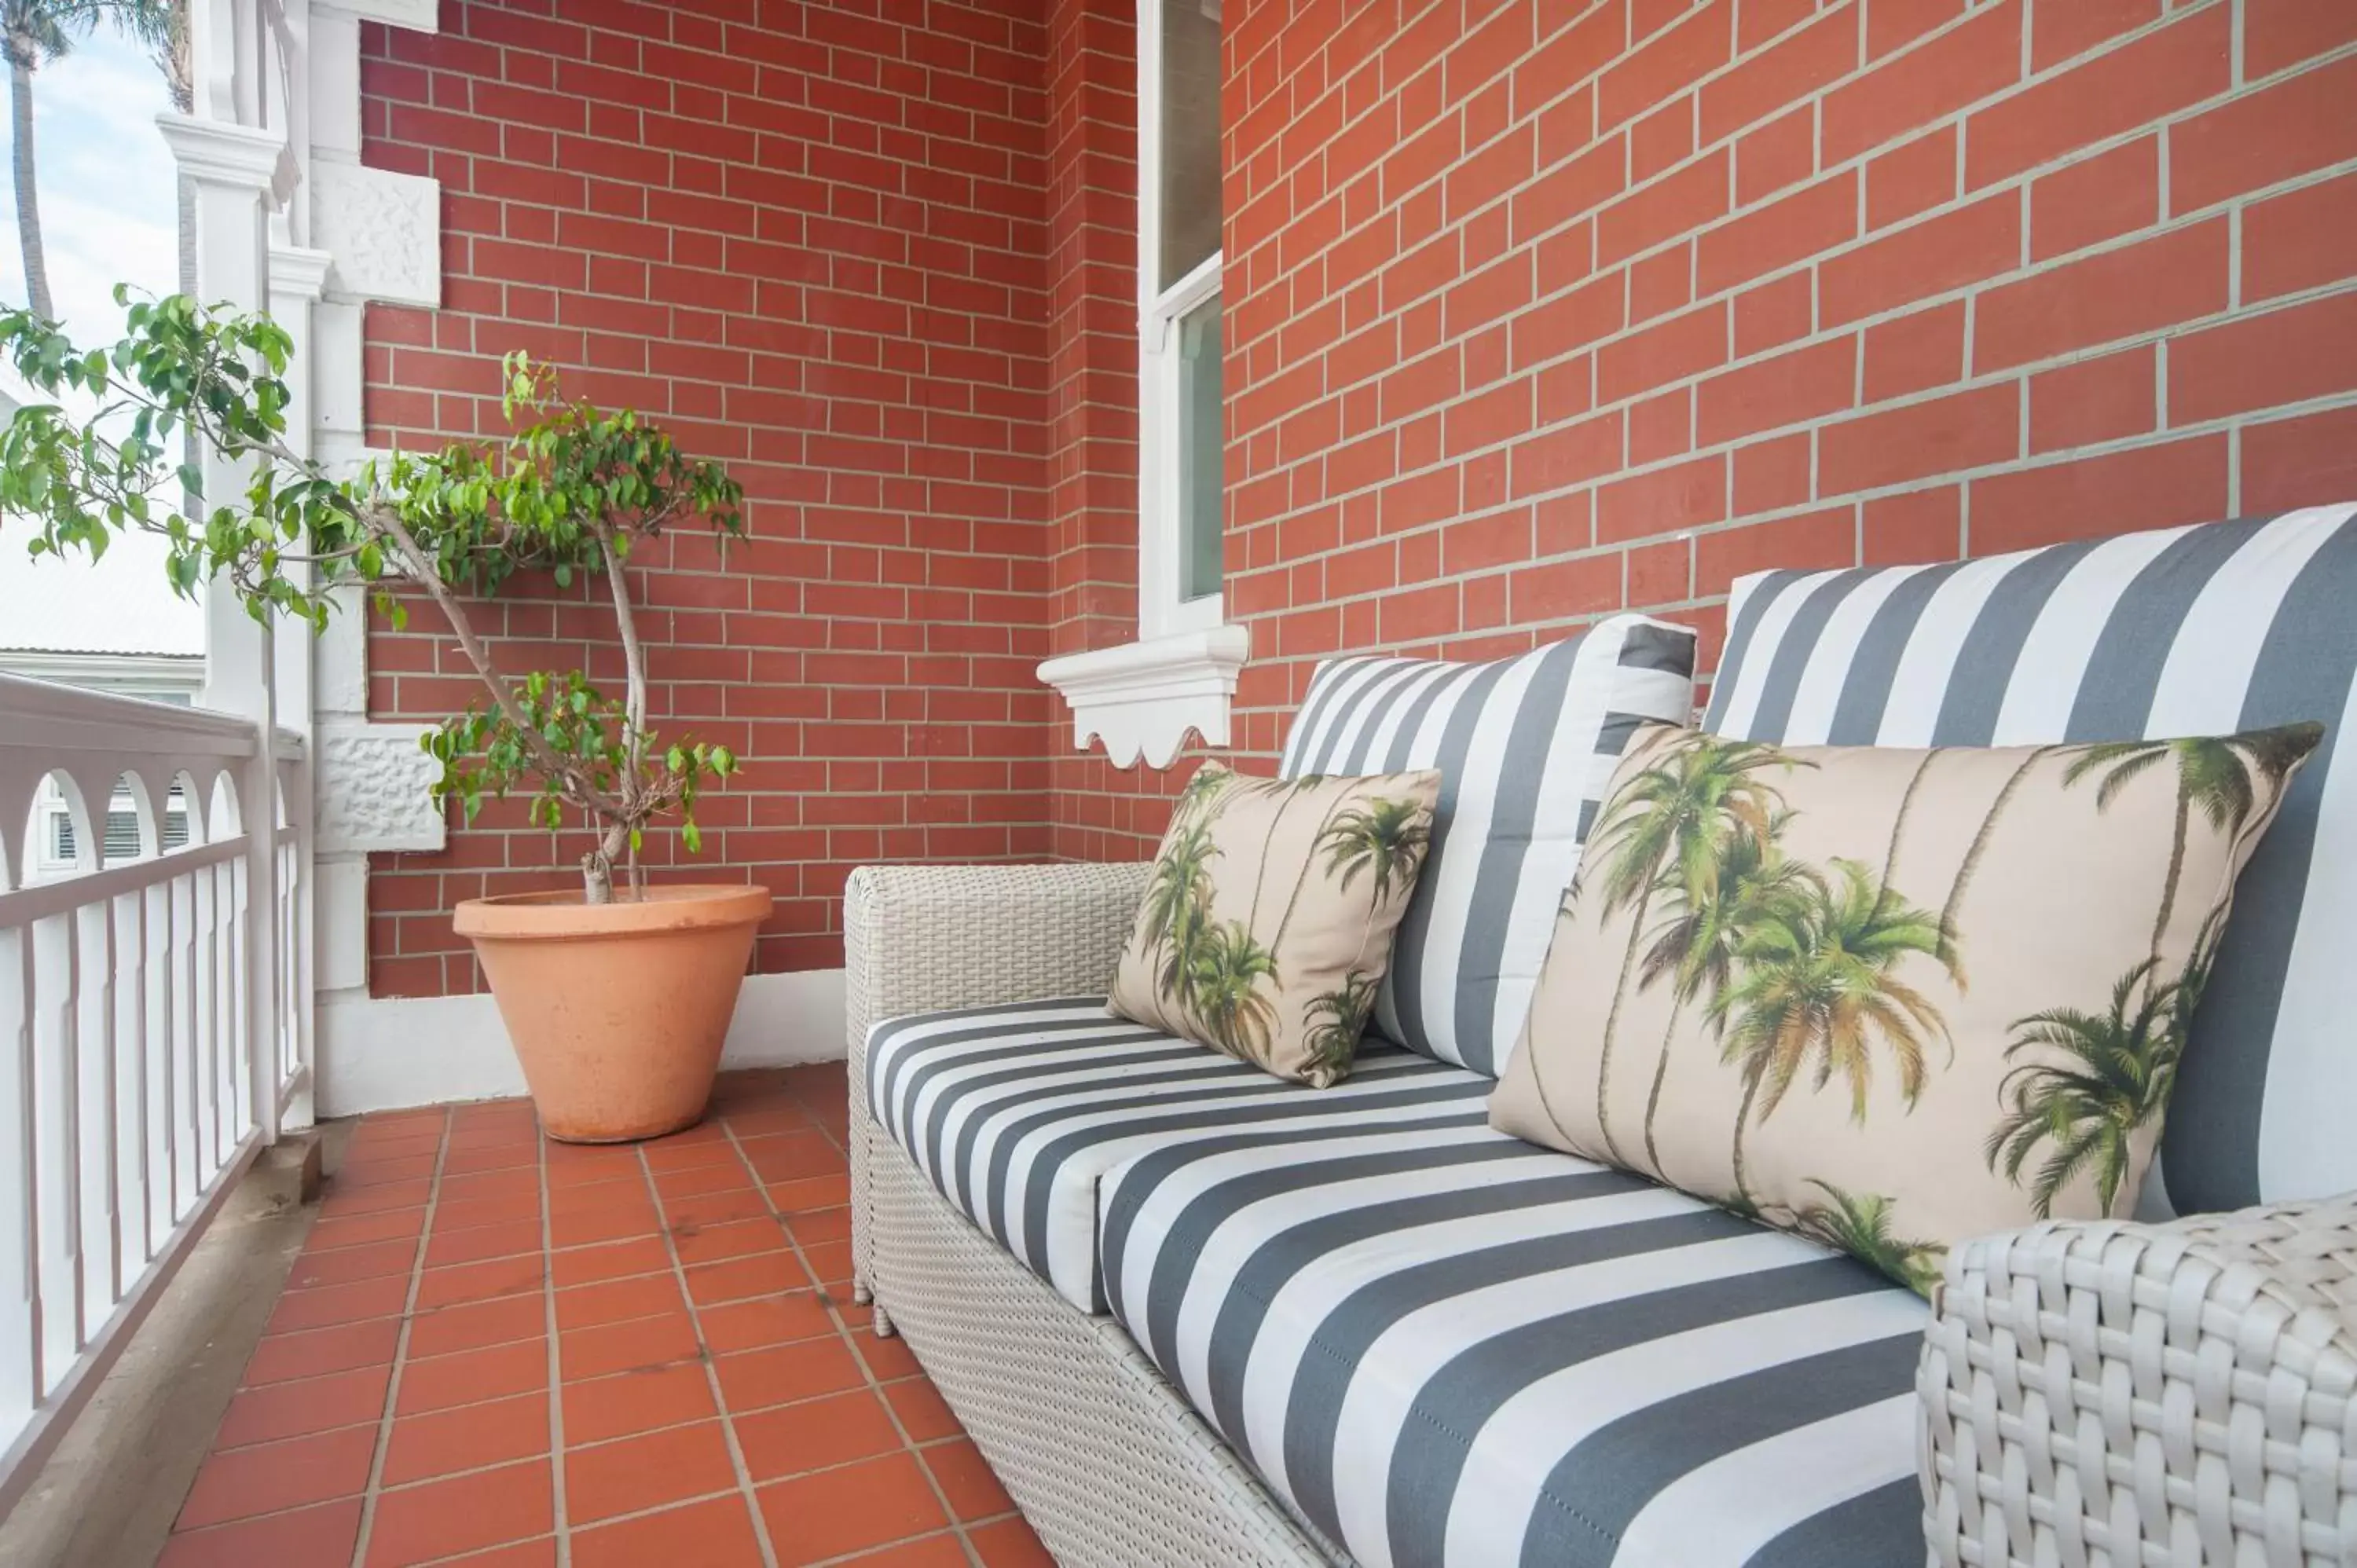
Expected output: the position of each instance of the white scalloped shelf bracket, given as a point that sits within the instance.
(1143, 698)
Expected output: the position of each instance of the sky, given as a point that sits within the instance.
(108, 215)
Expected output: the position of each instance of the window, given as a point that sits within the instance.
(1180, 446)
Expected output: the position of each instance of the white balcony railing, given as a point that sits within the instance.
(154, 1016)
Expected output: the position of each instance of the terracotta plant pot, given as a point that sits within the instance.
(617, 1011)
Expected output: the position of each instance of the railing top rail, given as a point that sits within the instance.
(43, 716)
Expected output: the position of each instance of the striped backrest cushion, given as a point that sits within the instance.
(1525, 746)
(2202, 630)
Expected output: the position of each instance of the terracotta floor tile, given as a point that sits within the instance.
(870, 1504)
(365, 1229)
(602, 1224)
(647, 1472)
(635, 1402)
(921, 1410)
(461, 1214)
(374, 1167)
(715, 1534)
(931, 1551)
(702, 1144)
(794, 1439)
(737, 1278)
(497, 1157)
(730, 1238)
(541, 1553)
(313, 1538)
(482, 1282)
(330, 1304)
(479, 1243)
(469, 1325)
(463, 1513)
(966, 1481)
(810, 1192)
(240, 1483)
(570, 1164)
(469, 1376)
(611, 1260)
(613, 1300)
(821, 1225)
(632, 1345)
(791, 1155)
(348, 1265)
(886, 1359)
(828, 1261)
(766, 1320)
(1009, 1543)
(459, 1185)
(716, 1207)
(364, 1199)
(313, 1405)
(317, 1351)
(754, 1378)
(469, 1437)
(697, 1181)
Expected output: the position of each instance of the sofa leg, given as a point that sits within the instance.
(860, 1295)
(884, 1329)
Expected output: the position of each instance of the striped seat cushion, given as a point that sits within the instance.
(1444, 1345)
(1014, 1112)
(2204, 630)
(1525, 746)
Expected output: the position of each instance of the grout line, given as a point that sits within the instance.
(399, 1353)
(710, 1371)
(560, 1519)
(842, 1328)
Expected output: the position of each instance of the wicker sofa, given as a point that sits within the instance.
(2179, 1391)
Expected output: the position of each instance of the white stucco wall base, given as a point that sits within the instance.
(387, 1053)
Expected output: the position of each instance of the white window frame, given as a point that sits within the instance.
(1142, 699)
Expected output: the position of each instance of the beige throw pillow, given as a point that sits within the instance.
(1890, 998)
(1268, 921)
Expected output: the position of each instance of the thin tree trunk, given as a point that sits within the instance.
(1252, 920)
(1611, 1025)
(2168, 886)
(1973, 861)
(1308, 869)
(1742, 1124)
(1654, 1096)
(28, 201)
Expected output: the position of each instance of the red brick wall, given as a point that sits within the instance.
(814, 240)
(1536, 310)
(1539, 310)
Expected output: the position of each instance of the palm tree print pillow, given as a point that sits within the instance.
(1268, 921)
(1890, 998)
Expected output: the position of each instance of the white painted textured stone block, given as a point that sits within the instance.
(383, 228)
(371, 782)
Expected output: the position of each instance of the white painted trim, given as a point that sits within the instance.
(388, 1053)
(1143, 698)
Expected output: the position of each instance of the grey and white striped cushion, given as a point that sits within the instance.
(1014, 1112)
(1525, 746)
(2198, 630)
(1448, 1347)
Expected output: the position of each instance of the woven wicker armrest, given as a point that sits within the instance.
(2146, 1394)
(919, 939)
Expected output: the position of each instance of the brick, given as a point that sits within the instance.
(2149, 79)
(2303, 238)
(1661, 139)
(1676, 204)
(2095, 200)
(1967, 430)
(2282, 357)
(2278, 34)
(1775, 313)
(1809, 541)
(2144, 287)
(2306, 461)
(1940, 253)
(1788, 229)
(1792, 388)
(1672, 350)
(1921, 525)
(1560, 590)
(1788, 72)
(2306, 122)
(1773, 474)
(1892, 25)
(1910, 179)
(1666, 65)
(2061, 29)
(1661, 427)
(1979, 58)
(2109, 398)
(1568, 322)
(1915, 353)
(1686, 495)
(2150, 486)
(1782, 152)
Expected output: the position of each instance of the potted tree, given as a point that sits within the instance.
(616, 995)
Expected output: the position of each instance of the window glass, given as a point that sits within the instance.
(1201, 451)
(1190, 137)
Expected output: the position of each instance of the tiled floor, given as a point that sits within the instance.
(506, 1352)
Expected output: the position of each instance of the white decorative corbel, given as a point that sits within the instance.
(1143, 698)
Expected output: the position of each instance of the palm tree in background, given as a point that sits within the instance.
(2221, 775)
(1665, 834)
(1859, 1224)
(1695, 948)
(1816, 990)
(2104, 1076)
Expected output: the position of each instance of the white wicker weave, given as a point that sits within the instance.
(919, 939)
(2150, 1394)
